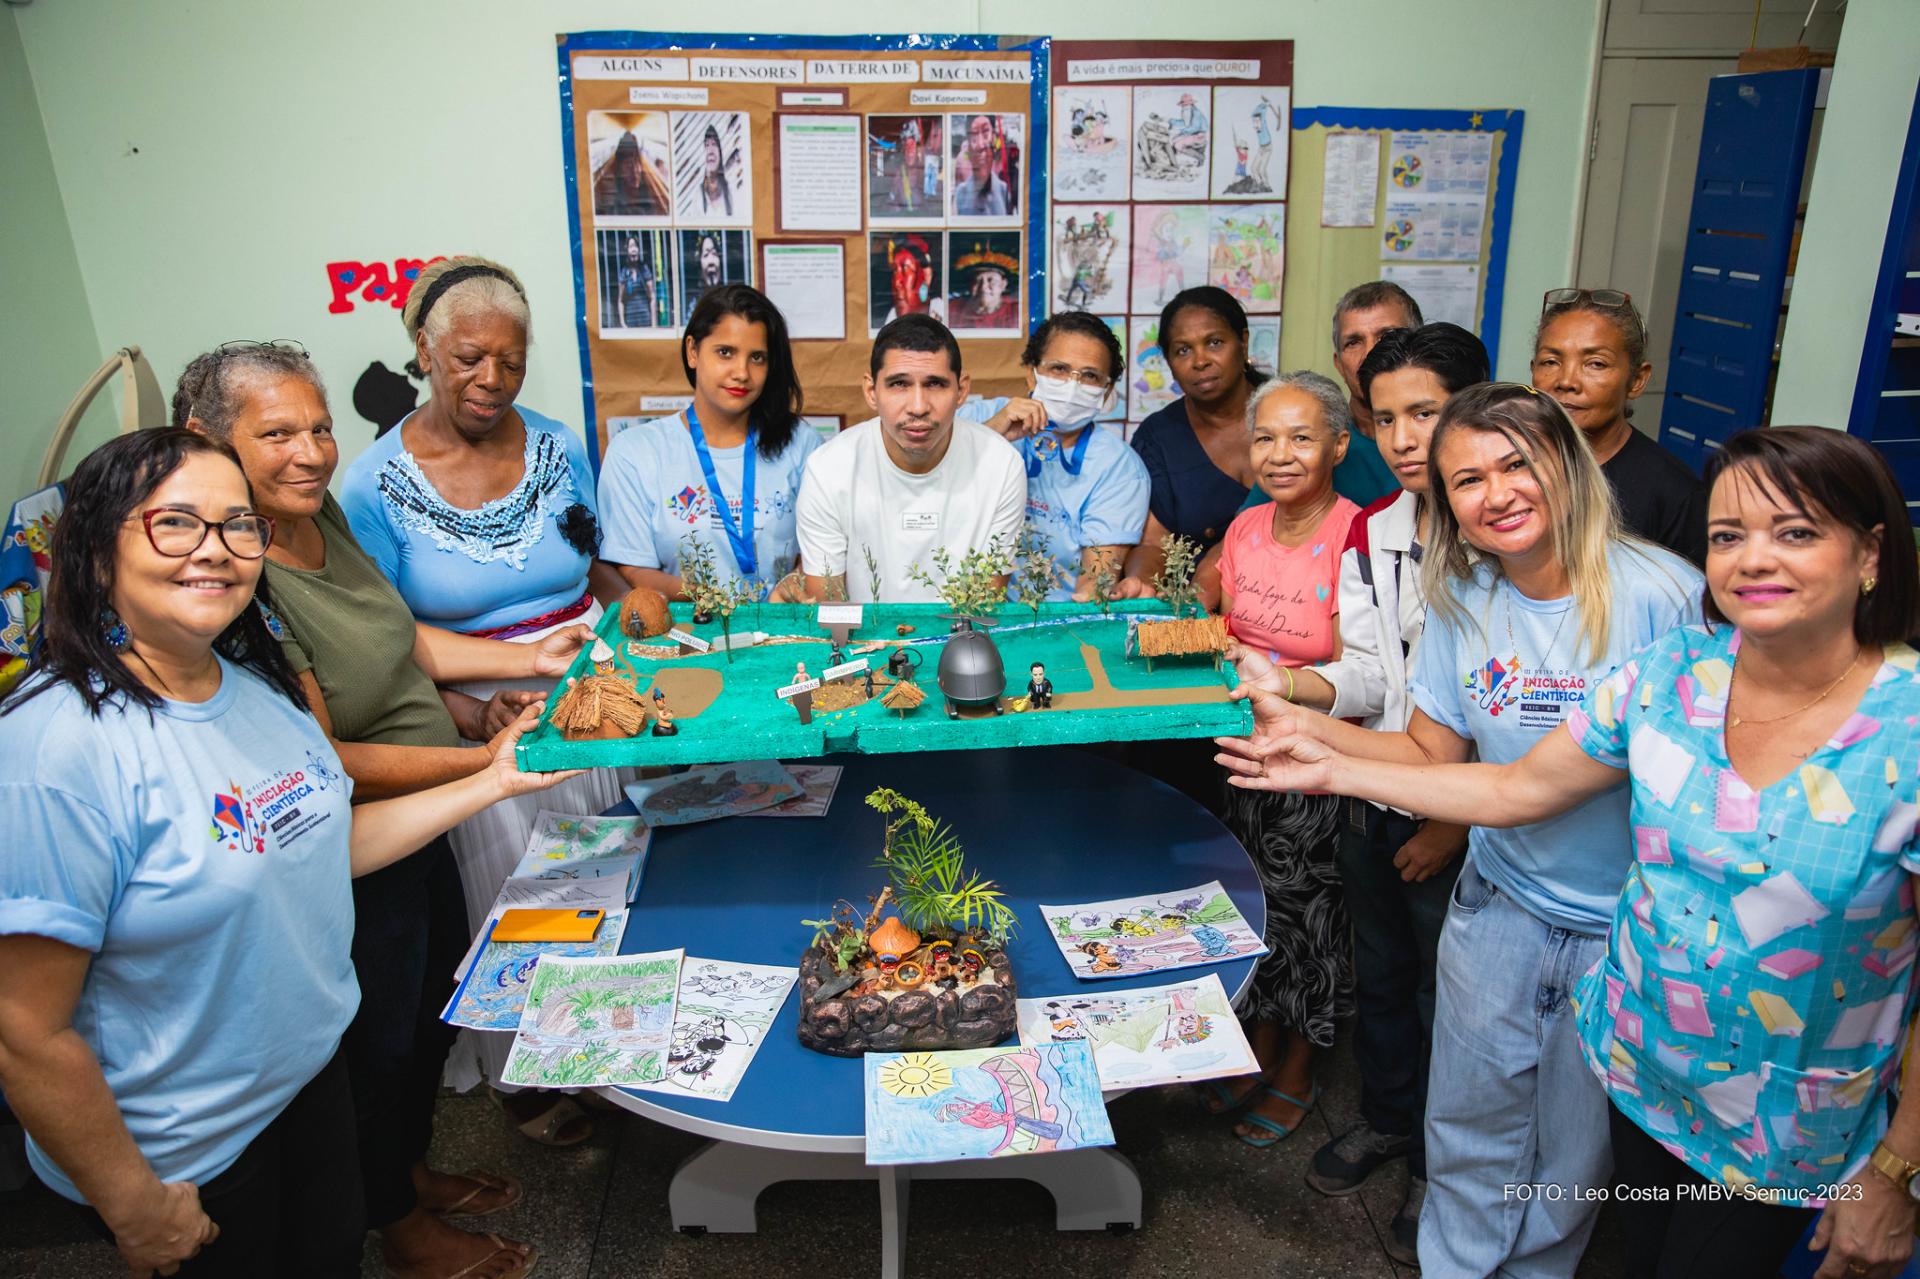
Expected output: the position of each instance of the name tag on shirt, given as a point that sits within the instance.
(920, 521)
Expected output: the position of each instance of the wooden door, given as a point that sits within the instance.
(1645, 148)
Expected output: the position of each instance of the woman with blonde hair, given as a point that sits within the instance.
(1535, 595)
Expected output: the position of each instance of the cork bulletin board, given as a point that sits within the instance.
(851, 179)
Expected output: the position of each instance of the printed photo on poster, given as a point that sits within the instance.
(1150, 384)
(627, 152)
(905, 186)
(1246, 253)
(983, 283)
(1091, 258)
(709, 259)
(1263, 343)
(1169, 252)
(636, 282)
(713, 168)
(904, 272)
(1250, 133)
(1170, 141)
(985, 154)
(1090, 132)
(1116, 410)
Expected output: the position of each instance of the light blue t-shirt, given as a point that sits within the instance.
(653, 495)
(1512, 675)
(200, 855)
(1104, 505)
(473, 570)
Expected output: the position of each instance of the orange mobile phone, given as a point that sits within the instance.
(548, 925)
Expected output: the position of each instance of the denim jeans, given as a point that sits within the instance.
(1396, 932)
(1516, 1122)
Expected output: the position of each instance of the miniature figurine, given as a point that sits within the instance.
(869, 681)
(1039, 688)
(659, 697)
(663, 725)
(834, 656)
(972, 961)
(800, 675)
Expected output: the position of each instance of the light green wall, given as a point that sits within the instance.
(275, 139)
(50, 345)
(1875, 73)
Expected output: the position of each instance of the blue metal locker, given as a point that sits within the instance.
(1753, 147)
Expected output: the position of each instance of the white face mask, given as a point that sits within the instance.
(1069, 405)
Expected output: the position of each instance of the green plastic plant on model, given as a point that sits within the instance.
(929, 878)
(713, 596)
(1174, 582)
(971, 586)
(1034, 572)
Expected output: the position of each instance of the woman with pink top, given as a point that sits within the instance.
(1279, 566)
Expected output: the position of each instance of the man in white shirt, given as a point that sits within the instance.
(883, 496)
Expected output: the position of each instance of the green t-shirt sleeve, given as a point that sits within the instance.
(297, 657)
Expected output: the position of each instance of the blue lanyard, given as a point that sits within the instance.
(741, 534)
(1071, 461)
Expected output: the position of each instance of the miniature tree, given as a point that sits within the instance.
(971, 586)
(711, 596)
(1174, 582)
(930, 881)
(1104, 580)
(873, 570)
(1034, 572)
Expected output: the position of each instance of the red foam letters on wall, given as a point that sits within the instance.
(373, 281)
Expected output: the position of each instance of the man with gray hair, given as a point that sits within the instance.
(1362, 314)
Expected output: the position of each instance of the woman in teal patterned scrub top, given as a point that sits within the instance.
(1749, 1014)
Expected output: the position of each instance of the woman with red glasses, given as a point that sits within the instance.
(175, 911)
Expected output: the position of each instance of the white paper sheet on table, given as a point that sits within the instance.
(493, 988)
(720, 1019)
(718, 790)
(1168, 1034)
(820, 781)
(1184, 928)
(591, 1023)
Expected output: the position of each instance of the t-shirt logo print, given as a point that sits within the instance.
(1496, 685)
(233, 823)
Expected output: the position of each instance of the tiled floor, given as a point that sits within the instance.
(1213, 1208)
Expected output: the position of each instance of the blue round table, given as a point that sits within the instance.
(1051, 825)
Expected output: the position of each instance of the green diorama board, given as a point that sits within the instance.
(729, 710)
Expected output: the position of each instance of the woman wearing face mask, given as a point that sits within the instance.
(740, 448)
(1590, 353)
(1534, 595)
(1086, 490)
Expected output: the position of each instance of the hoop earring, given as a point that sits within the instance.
(1867, 584)
(114, 631)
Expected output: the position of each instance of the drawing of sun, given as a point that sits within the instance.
(915, 1075)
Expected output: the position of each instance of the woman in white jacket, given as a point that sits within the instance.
(1397, 870)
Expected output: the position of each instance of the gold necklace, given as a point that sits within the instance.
(1735, 721)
